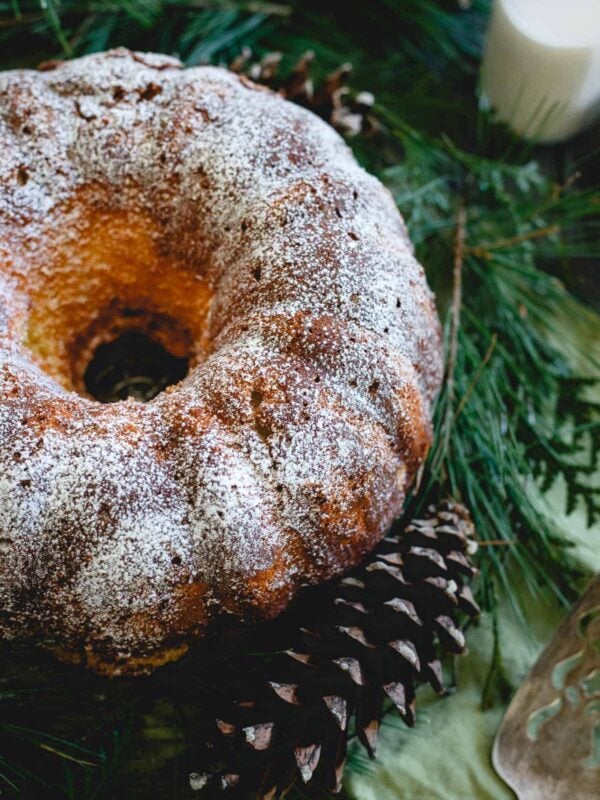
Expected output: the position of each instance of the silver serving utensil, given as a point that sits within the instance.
(548, 745)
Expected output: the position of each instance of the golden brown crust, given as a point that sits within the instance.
(238, 230)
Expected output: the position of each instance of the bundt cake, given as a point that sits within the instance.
(235, 230)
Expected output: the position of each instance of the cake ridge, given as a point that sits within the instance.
(288, 449)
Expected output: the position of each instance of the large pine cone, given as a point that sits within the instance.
(370, 638)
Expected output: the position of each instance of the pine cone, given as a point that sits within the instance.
(372, 638)
(331, 100)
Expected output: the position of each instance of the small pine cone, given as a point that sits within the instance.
(332, 100)
(371, 638)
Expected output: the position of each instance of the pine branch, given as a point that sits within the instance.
(196, 30)
(62, 732)
(511, 371)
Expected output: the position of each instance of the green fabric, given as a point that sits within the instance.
(447, 755)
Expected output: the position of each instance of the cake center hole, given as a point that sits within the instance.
(132, 365)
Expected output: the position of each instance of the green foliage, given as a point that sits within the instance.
(569, 446)
(196, 31)
(516, 412)
(516, 418)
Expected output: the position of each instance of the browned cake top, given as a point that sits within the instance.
(238, 230)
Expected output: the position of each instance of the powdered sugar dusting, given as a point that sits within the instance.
(283, 456)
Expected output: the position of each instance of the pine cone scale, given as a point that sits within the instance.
(375, 635)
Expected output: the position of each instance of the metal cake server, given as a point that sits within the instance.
(548, 745)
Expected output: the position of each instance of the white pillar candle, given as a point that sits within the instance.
(541, 66)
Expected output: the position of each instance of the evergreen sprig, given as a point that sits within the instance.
(513, 415)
